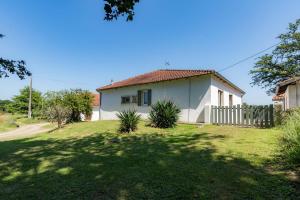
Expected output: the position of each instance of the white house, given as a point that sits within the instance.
(194, 91)
(95, 109)
(290, 91)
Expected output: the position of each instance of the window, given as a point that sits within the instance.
(230, 100)
(220, 98)
(125, 99)
(145, 97)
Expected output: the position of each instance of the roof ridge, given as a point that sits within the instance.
(186, 70)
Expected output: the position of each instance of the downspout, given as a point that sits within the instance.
(189, 106)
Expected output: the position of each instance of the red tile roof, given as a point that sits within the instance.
(164, 75)
(96, 99)
(278, 97)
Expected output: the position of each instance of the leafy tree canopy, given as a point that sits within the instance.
(20, 102)
(283, 63)
(4, 104)
(76, 101)
(115, 8)
(8, 67)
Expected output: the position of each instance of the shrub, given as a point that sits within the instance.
(58, 113)
(291, 136)
(164, 114)
(129, 121)
(278, 115)
(55, 110)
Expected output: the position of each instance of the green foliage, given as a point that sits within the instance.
(291, 136)
(115, 8)
(278, 115)
(187, 162)
(20, 102)
(79, 102)
(3, 105)
(67, 105)
(55, 109)
(8, 67)
(164, 114)
(282, 64)
(129, 121)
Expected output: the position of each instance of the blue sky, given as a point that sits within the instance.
(67, 44)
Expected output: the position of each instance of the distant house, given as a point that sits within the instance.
(289, 93)
(95, 109)
(192, 90)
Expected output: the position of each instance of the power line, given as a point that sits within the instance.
(63, 81)
(247, 58)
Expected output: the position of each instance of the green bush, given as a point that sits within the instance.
(164, 114)
(291, 136)
(129, 121)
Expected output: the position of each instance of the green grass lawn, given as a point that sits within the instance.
(10, 122)
(90, 160)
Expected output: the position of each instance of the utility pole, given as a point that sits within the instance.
(30, 97)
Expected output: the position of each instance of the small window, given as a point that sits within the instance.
(220, 98)
(230, 100)
(145, 97)
(125, 99)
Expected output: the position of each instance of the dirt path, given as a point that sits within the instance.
(24, 131)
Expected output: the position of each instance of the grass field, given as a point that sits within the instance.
(9, 121)
(90, 160)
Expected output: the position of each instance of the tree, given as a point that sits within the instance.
(55, 110)
(20, 102)
(8, 67)
(115, 8)
(79, 102)
(283, 63)
(4, 104)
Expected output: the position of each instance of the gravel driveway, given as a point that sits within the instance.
(24, 131)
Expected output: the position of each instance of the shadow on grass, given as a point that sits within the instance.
(136, 167)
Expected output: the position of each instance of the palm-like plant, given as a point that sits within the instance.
(164, 114)
(129, 120)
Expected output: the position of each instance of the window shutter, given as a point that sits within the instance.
(139, 97)
(149, 97)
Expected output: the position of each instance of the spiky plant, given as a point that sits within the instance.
(164, 114)
(129, 120)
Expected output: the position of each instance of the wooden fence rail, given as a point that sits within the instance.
(258, 116)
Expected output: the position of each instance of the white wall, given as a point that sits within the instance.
(95, 113)
(217, 84)
(292, 97)
(191, 95)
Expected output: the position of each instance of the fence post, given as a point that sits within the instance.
(271, 115)
(251, 116)
(238, 114)
(226, 115)
(223, 114)
(266, 109)
(262, 116)
(212, 114)
(230, 115)
(219, 115)
(234, 115)
(216, 115)
(247, 115)
(242, 115)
